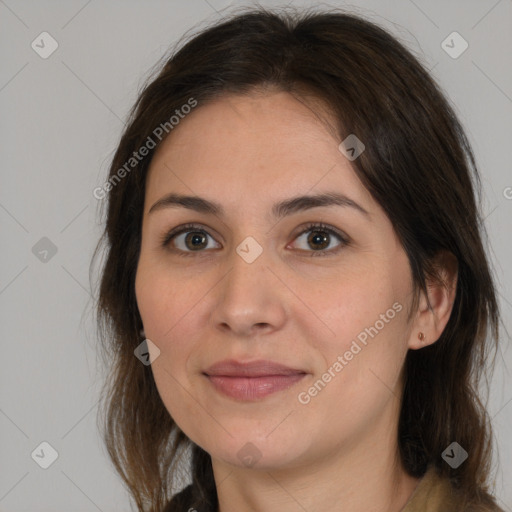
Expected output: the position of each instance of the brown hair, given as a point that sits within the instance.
(418, 165)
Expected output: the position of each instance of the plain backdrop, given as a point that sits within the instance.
(61, 118)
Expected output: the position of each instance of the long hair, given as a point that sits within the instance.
(418, 165)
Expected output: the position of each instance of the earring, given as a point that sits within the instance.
(421, 336)
(142, 333)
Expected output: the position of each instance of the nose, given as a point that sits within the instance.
(250, 299)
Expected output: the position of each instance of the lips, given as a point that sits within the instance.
(253, 380)
(232, 368)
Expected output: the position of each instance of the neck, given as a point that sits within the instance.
(357, 476)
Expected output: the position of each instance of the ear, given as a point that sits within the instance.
(432, 320)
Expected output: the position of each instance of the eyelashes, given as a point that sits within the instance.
(318, 230)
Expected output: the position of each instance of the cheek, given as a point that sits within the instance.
(358, 302)
(359, 379)
(366, 312)
(164, 305)
(163, 301)
(171, 312)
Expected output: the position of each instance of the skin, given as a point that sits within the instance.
(339, 450)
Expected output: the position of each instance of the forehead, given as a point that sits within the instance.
(254, 146)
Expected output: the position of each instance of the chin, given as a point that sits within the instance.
(258, 452)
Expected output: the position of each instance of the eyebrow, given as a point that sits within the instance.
(279, 210)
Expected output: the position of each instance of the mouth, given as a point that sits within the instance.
(251, 381)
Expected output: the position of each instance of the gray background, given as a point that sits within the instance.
(61, 119)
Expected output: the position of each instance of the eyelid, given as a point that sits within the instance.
(310, 226)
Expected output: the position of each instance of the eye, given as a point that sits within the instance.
(192, 238)
(320, 238)
(186, 239)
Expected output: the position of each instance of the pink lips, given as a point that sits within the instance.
(251, 381)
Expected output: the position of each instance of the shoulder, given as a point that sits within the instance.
(437, 494)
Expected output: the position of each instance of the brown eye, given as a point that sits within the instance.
(195, 240)
(319, 238)
(187, 239)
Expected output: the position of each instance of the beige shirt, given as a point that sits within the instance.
(432, 494)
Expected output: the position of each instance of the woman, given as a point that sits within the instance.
(294, 254)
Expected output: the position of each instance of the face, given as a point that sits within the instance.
(321, 288)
